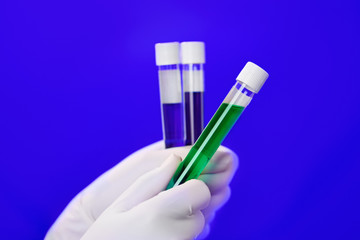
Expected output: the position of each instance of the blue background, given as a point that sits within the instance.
(79, 92)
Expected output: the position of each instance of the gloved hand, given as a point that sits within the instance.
(142, 213)
(87, 206)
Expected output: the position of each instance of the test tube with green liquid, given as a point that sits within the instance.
(249, 81)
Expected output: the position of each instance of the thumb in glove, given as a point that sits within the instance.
(142, 212)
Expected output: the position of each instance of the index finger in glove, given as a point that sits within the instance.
(148, 185)
(223, 160)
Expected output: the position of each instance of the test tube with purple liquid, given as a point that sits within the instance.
(193, 59)
(167, 60)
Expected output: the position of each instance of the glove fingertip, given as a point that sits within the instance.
(172, 161)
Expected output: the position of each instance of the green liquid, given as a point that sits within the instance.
(208, 142)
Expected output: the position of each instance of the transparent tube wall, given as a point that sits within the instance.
(193, 86)
(171, 105)
(213, 135)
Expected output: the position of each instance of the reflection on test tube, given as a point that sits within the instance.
(167, 59)
(193, 59)
(249, 82)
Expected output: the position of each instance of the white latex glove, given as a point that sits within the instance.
(142, 213)
(87, 206)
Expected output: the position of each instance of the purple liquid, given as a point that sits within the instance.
(173, 124)
(194, 116)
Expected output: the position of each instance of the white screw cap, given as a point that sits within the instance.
(167, 53)
(192, 52)
(253, 76)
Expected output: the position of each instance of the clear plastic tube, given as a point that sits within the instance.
(193, 86)
(249, 81)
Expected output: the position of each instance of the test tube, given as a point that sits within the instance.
(167, 60)
(249, 81)
(193, 59)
